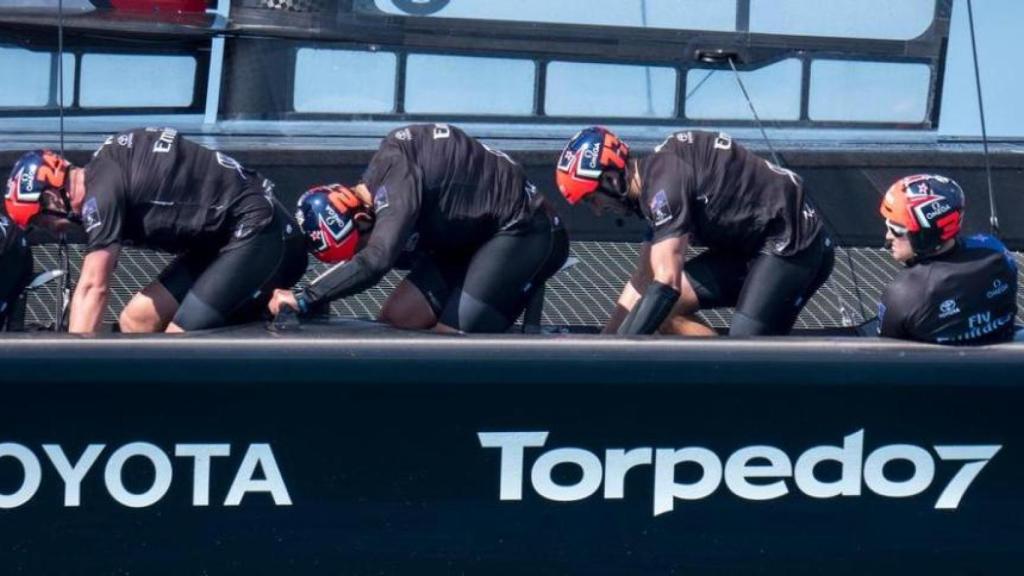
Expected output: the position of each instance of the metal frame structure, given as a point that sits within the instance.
(79, 44)
(360, 25)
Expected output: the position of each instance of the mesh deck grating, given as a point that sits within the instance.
(581, 296)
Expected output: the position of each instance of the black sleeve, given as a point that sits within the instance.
(396, 203)
(895, 310)
(664, 200)
(102, 209)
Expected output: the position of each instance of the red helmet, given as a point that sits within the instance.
(590, 152)
(929, 208)
(327, 216)
(34, 173)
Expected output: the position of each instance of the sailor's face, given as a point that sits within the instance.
(898, 243)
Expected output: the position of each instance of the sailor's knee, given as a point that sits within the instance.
(148, 311)
(139, 315)
(407, 313)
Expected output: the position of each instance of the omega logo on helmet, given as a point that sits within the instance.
(936, 209)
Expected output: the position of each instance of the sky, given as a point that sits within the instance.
(998, 27)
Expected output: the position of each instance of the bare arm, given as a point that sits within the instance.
(90, 299)
(667, 259)
(662, 293)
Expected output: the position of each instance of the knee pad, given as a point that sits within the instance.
(475, 316)
(194, 314)
(743, 325)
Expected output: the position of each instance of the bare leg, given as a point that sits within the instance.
(683, 320)
(151, 310)
(408, 308)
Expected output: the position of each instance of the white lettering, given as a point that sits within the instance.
(33, 474)
(667, 490)
(589, 482)
(977, 320)
(976, 457)
(72, 475)
(874, 471)
(161, 477)
(739, 468)
(849, 458)
(201, 454)
(618, 463)
(512, 445)
(441, 131)
(165, 141)
(705, 470)
(258, 455)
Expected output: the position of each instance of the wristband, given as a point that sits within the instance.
(302, 302)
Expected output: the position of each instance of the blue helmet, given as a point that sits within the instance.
(327, 216)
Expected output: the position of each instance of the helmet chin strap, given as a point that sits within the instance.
(364, 220)
(614, 185)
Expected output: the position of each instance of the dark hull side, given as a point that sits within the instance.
(353, 449)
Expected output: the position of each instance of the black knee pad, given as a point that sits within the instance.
(475, 316)
(743, 325)
(194, 314)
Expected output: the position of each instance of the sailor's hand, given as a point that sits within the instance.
(281, 298)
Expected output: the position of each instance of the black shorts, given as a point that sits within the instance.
(232, 284)
(488, 289)
(15, 274)
(767, 291)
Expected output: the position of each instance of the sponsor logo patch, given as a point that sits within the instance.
(948, 308)
(998, 288)
(91, 218)
(28, 184)
(933, 210)
(380, 199)
(660, 211)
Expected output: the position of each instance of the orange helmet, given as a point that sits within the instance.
(590, 152)
(927, 208)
